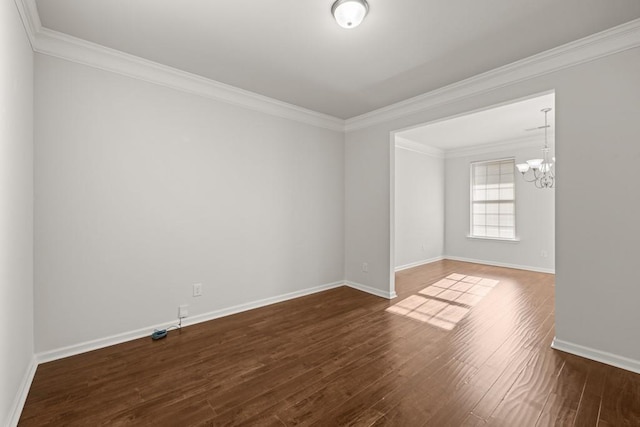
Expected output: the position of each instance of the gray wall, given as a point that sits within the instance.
(597, 225)
(16, 208)
(419, 207)
(142, 191)
(535, 213)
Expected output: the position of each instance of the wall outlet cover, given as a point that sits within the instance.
(183, 311)
(197, 289)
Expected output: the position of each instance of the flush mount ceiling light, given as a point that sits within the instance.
(349, 13)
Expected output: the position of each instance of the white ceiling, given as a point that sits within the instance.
(505, 123)
(293, 51)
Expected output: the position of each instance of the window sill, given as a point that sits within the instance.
(499, 239)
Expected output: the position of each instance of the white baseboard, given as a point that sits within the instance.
(372, 291)
(257, 304)
(418, 263)
(502, 264)
(96, 344)
(83, 347)
(21, 395)
(597, 355)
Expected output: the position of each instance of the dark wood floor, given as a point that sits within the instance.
(342, 357)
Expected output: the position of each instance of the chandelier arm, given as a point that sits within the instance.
(537, 173)
(524, 176)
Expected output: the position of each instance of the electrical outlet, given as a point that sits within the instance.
(365, 267)
(543, 254)
(183, 311)
(197, 289)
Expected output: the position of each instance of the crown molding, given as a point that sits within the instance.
(474, 150)
(30, 18)
(64, 46)
(418, 147)
(497, 146)
(608, 42)
(67, 47)
(53, 43)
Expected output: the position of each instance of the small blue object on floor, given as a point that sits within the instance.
(156, 335)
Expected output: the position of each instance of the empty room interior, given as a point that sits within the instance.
(351, 212)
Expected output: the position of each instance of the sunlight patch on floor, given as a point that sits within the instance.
(446, 302)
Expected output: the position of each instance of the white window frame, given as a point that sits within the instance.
(471, 234)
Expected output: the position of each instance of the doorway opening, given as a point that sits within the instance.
(437, 213)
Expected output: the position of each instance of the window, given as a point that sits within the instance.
(493, 213)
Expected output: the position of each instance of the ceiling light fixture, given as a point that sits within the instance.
(349, 13)
(542, 170)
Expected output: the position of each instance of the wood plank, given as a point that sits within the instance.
(349, 410)
(340, 358)
(589, 408)
(620, 404)
(562, 404)
(525, 401)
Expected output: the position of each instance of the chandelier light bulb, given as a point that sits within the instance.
(349, 13)
(534, 163)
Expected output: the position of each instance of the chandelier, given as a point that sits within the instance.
(540, 171)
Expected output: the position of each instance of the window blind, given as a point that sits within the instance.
(493, 212)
